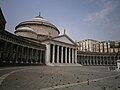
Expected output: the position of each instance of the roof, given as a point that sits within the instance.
(38, 20)
(25, 29)
(60, 38)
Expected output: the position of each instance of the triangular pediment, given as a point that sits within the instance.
(64, 39)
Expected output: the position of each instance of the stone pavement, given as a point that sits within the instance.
(59, 78)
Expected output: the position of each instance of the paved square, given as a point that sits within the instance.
(59, 78)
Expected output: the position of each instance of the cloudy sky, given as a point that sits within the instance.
(82, 19)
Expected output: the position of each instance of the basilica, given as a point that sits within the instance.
(38, 42)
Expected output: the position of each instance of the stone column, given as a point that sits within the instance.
(47, 54)
(69, 55)
(5, 47)
(36, 55)
(110, 60)
(90, 60)
(72, 55)
(53, 54)
(75, 56)
(42, 57)
(47, 59)
(65, 54)
(81, 59)
(87, 59)
(39, 56)
(31, 55)
(94, 60)
(61, 54)
(97, 60)
(114, 60)
(12, 53)
(102, 58)
(4, 53)
(107, 59)
(22, 54)
(28, 52)
(17, 53)
(57, 54)
(25, 55)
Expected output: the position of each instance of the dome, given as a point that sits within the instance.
(25, 28)
(26, 32)
(40, 26)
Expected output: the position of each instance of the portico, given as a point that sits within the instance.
(60, 50)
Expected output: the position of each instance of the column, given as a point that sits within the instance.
(90, 60)
(69, 55)
(36, 55)
(61, 54)
(114, 61)
(31, 55)
(87, 57)
(22, 54)
(107, 59)
(57, 54)
(72, 55)
(53, 54)
(42, 57)
(65, 54)
(47, 54)
(47, 58)
(27, 51)
(5, 51)
(97, 60)
(17, 55)
(75, 56)
(12, 53)
(102, 58)
(81, 59)
(94, 59)
(111, 60)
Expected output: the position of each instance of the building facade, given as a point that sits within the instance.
(90, 45)
(92, 52)
(87, 45)
(36, 41)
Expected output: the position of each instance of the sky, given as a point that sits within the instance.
(82, 19)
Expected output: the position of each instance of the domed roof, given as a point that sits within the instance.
(37, 20)
(25, 28)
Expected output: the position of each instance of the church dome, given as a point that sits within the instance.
(40, 26)
(26, 32)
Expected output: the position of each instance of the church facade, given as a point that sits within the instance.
(37, 42)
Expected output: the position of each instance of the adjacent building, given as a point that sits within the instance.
(92, 52)
(90, 45)
(87, 45)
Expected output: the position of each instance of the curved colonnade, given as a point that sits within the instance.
(92, 58)
(18, 50)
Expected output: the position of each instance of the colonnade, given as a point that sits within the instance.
(97, 59)
(16, 53)
(61, 54)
